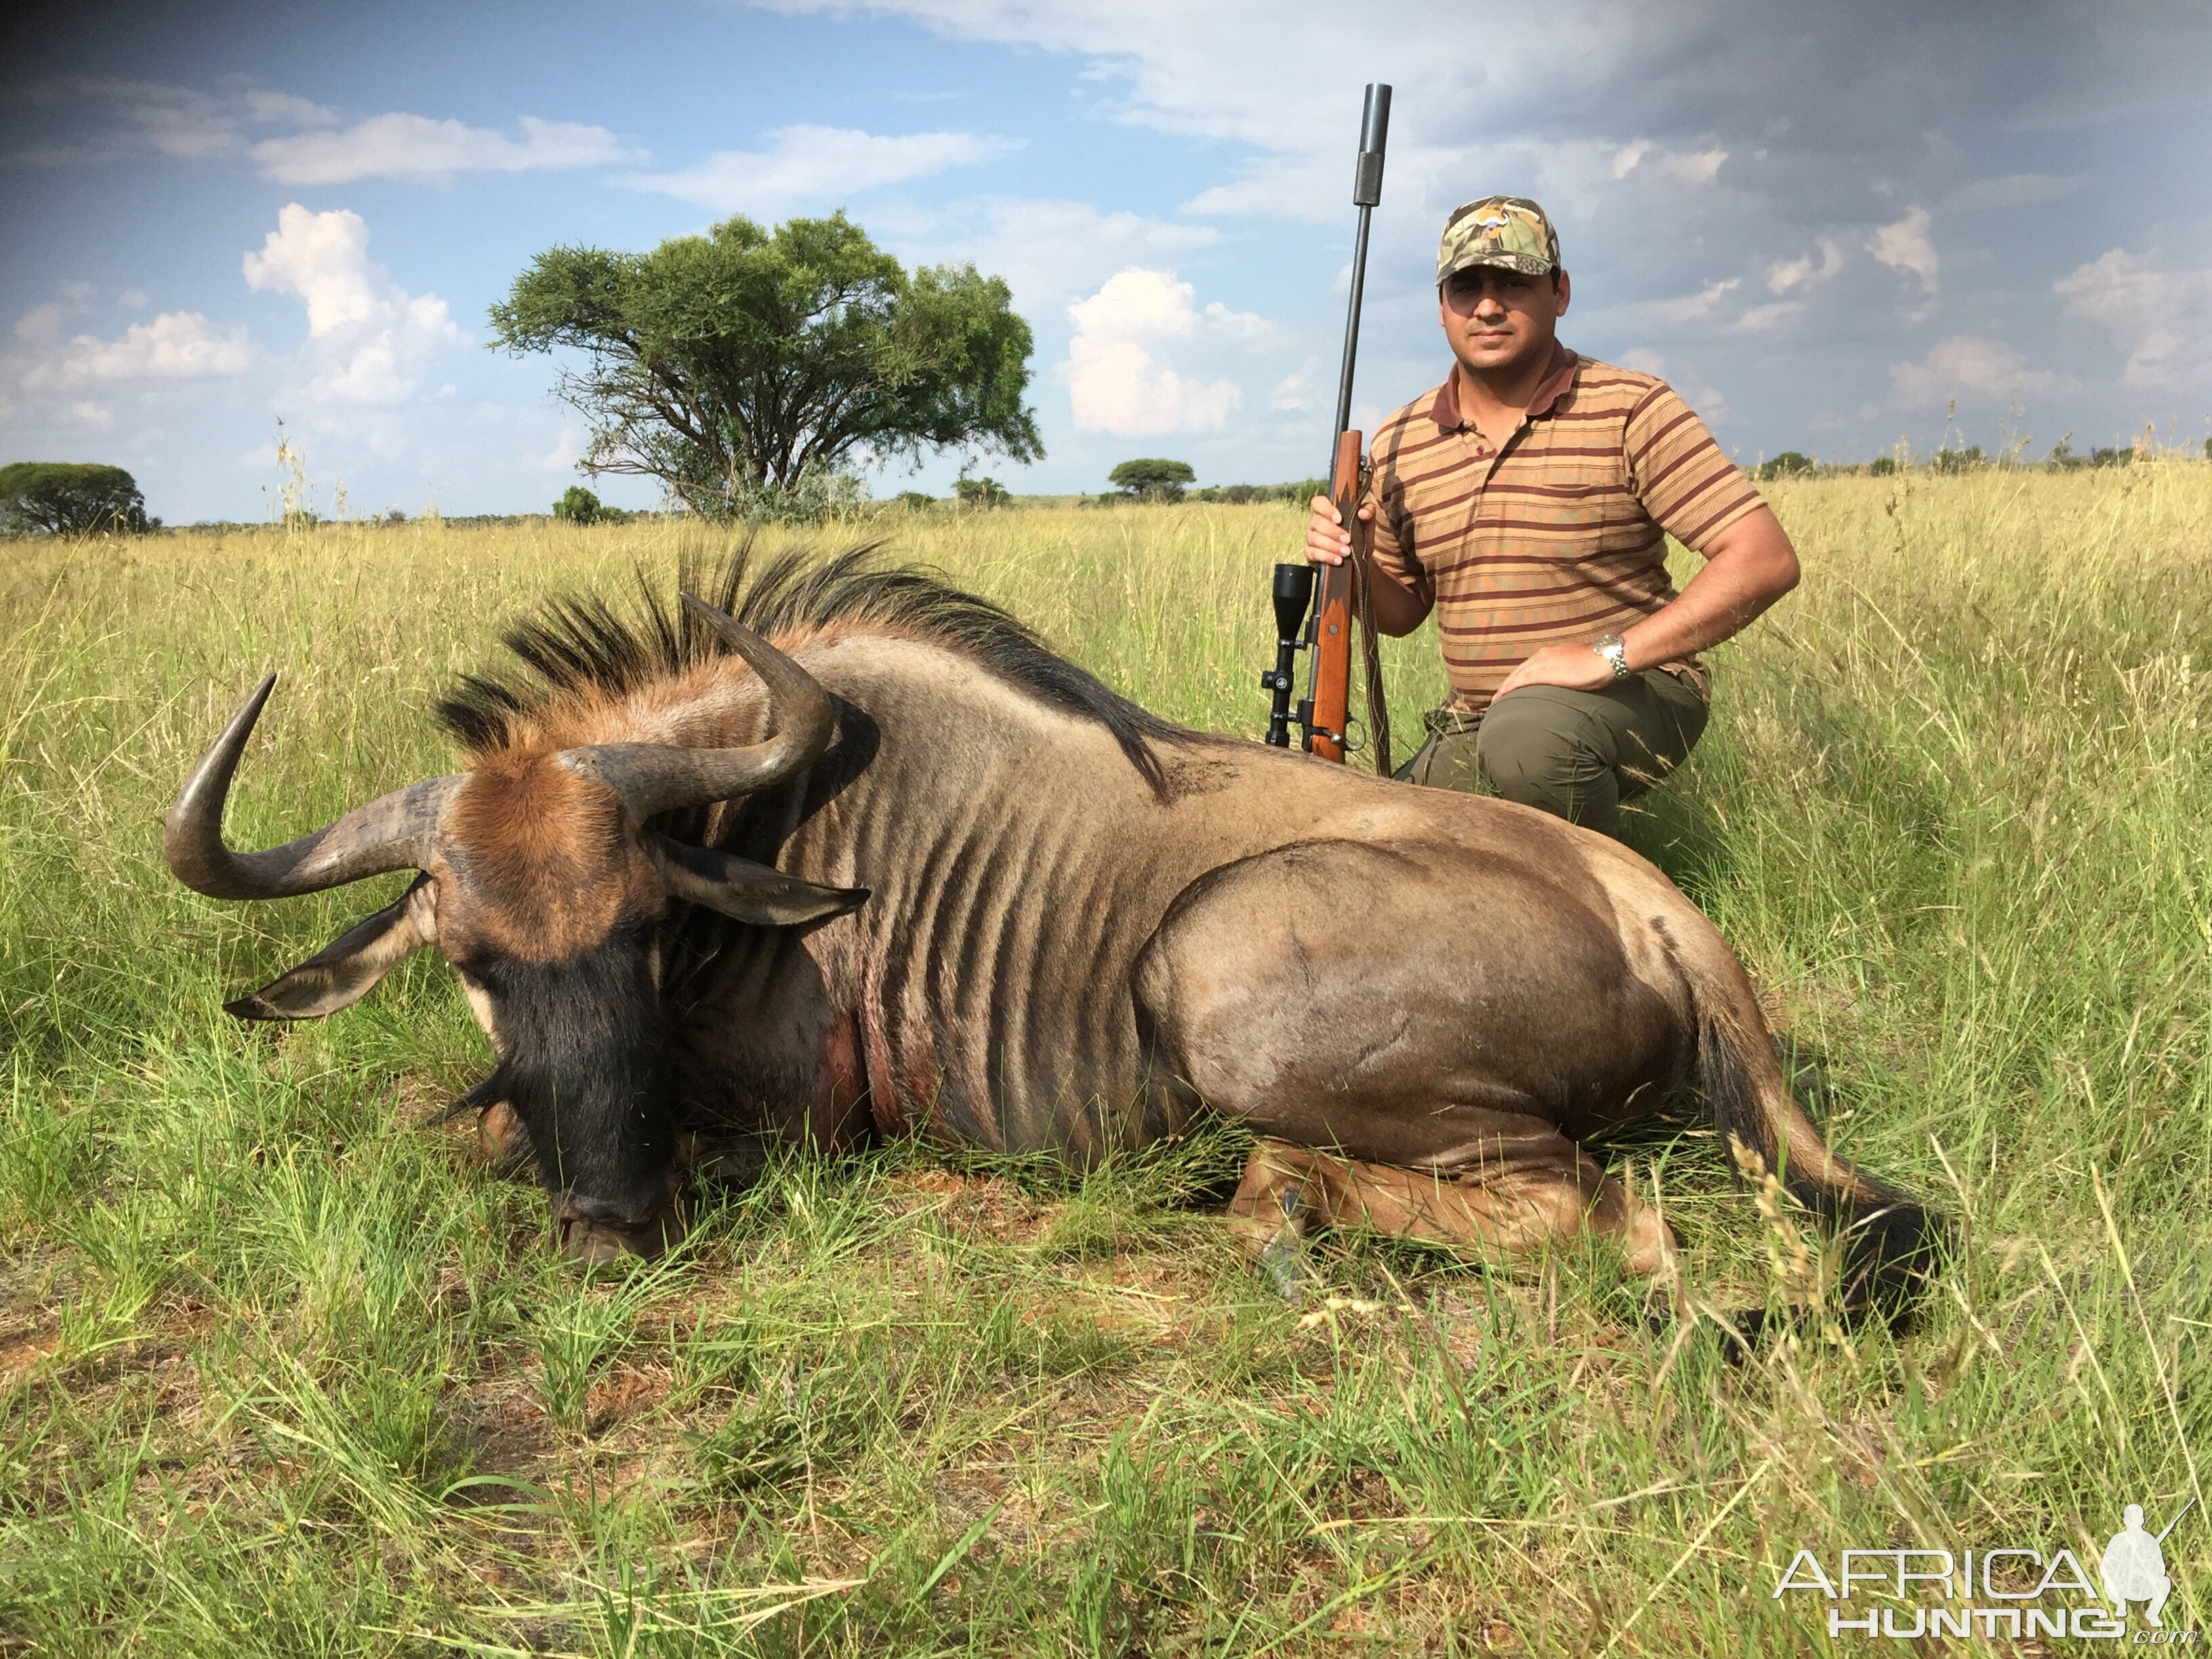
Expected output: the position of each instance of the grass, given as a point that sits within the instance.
(284, 1371)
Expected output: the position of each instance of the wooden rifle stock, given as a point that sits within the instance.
(1332, 625)
(1342, 599)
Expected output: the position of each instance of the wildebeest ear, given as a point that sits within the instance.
(343, 971)
(745, 891)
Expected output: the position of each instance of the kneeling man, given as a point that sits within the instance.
(1527, 502)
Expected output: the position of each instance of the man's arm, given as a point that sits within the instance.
(1400, 606)
(1748, 566)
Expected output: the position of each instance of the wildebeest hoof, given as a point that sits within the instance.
(598, 1243)
(1282, 1259)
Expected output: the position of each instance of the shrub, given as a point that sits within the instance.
(2111, 456)
(70, 498)
(980, 492)
(579, 505)
(1787, 464)
(914, 502)
(1881, 467)
(1958, 460)
(1152, 480)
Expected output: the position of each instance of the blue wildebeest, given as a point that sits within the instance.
(867, 859)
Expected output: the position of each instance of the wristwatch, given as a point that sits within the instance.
(1614, 652)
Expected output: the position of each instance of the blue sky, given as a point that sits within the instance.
(1824, 225)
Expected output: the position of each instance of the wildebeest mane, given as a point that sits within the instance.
(580, 646)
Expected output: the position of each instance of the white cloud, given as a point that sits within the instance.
(367, 337)
(1905, 246)
(2161, 318)
(1805, 270)
(824, 165)
(566, 450)
(1698, 166)
(134, 298)
(1691, 307)
(1757, 319)
(1964, 363)
(1117, 385)
(1707, 400)
(1049, 251)
(177, 345)
(400, 146)
(41, 325)
(189, 126)
(1295, 393)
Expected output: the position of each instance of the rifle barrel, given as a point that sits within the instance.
(1366, 193)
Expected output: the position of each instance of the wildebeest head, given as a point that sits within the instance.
(545, 887)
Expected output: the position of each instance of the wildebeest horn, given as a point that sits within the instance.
(393, 832)
(654, 777)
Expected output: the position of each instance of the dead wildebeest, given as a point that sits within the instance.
(870, 860)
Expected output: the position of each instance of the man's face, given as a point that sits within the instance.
(1500, 320)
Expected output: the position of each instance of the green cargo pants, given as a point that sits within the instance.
(1576, 754)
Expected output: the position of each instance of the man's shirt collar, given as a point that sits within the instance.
(1558, 380)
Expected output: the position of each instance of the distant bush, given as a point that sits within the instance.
(2111, 456)
(1787, 464)
(1241, 495)
(70, 498)
(914, 502)
(579, 505)
(1958, 460)
(1881, 467)
(1152, 480)
(982, 493)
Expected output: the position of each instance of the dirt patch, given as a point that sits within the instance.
(982, 1208)
(625, 1392)
(21, 1354)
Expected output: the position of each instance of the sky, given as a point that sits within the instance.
(1834, 229)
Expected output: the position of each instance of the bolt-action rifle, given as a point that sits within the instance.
(1319, 617)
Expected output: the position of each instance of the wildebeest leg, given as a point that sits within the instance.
(1416, 1029)
(1510, 1209)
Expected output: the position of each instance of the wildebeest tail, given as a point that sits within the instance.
(1890, 1244)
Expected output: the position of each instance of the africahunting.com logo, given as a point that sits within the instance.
(1901, 1594)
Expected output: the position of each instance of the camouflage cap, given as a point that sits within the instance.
(1507, 231)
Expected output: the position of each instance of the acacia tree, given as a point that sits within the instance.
(747, 360)
(1152, 479)
(69, 498)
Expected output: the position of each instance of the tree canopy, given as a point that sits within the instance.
(1154, 480)
(748, 361)
(69, 498)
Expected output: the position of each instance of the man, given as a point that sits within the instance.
(1527, 502)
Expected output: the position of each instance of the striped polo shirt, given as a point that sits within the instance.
(1560, 532)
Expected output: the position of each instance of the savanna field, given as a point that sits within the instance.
(287, 1370)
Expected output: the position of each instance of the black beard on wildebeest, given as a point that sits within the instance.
(584, 1069)
(848, 852)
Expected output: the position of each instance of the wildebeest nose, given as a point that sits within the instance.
(595, 1234)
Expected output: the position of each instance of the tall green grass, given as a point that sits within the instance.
(283, 1371)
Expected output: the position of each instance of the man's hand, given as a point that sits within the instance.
(1577, 667)
(1327, 542)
